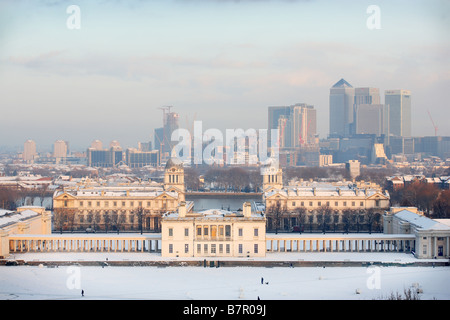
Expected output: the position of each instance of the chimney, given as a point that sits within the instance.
(247, 209)
(182, 210)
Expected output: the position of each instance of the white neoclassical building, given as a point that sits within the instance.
(213, 233)
(432, 237)
(24, 220)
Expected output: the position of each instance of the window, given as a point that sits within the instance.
(149, 204)
(227, 248)
(170, 232)
(199, 248)
(81, 203)
(319, 203)
(114, 203)
(221, 231)
(345, 203)
(240, 232)
(106, 203)
(89, 204)
(199, 231)
(328, 203)
(186, 248)
(205, 248)
(353, 203)
(302, 203)
(170, 248)
(81, 218)
(227, 231)
(140, 203)
(255, 232)
(221, 248)
(213, 248)
(205, 230)
(240, 247)
(123, 204)
(186, 232)
(255, 248)
(310, 204)
(424, 249)
(131, 204)
(98, 203)
(336, 204)
(293, 203)
(377, 203)
(65, 203)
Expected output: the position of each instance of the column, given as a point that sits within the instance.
(448, 251)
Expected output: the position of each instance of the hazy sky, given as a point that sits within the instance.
(220, 61)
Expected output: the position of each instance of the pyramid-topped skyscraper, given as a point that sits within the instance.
(342, 95)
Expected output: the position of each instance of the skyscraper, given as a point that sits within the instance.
(296, 124)
(342, 96)
(367, 96)
(399, 102)
(29, 151)
(60, 149)
(372, 119)
(170, 125)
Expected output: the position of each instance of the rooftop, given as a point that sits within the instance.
(421, 222)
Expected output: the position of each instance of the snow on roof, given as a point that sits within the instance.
(14, 217)
(420, 221)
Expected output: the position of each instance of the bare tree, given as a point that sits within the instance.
(346, 216)
(301, 218)
(276, 212)
(324, 217)
(140, 216)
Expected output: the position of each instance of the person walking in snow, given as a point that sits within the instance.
(82, 293)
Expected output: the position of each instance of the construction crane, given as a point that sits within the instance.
(434, 125)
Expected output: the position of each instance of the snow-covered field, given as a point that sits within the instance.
(223, 283)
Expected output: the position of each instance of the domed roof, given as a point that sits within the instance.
(174, 162)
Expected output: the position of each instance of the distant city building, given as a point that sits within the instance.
(325, 160)
(367, 96)
(372, 119)
(29, 151)
(145, 146)
(354, 168)
(399, 102)
(170, 125)
(342, 95)
(106, 158)
(60, 149)
(296, 124)
(97, 145)
(114, 144)
(138, 159)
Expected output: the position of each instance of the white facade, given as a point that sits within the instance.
(213, 233)
(432, 237)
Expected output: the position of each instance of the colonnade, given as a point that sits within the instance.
(83, 244)
(348, 244)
